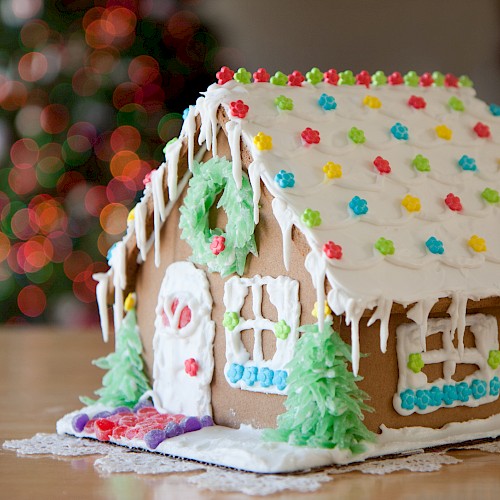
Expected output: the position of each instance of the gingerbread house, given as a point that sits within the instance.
(368, 202)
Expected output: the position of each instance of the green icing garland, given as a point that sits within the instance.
(209, 179)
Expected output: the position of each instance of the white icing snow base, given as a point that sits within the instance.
(245, 450)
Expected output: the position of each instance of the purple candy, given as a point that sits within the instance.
(102, 414)
(172, 429)
(154, 438)
(206, 421)
(190, 424)
(121, 409)
(147, 403)
(79, 421)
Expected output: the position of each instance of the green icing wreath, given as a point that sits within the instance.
(223, 251)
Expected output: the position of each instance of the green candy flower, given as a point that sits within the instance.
(314, 76)
(465, 81)
(284, 103)
(281, 329)
(415, 362)
(456, 104)
(311, 218)
(379, 78)
(346, 78)
(356, 135)
(385, 247)
(491, 195)
(171, 141)
(243, 76)
(231, 320)
(411, 79)
(494, 359)
(279, 78)
(421, 163)
(438, 78)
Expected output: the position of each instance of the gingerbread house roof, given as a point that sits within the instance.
(395, 185)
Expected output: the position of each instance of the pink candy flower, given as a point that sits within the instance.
(450, 80)
(417, 102)
(191, 367)
(482, 130)
(453, 202)
(426, 80)
(332, 251)
(363, 78)
(296, 79)
(331, 77)
(261, 76)
(395, 78)
(224, 75)
(382, 165)
(310, 136)
(218, 245)
(238, 108)
(147, 179)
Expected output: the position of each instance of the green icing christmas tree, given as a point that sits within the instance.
(324, 404)
(125, 381)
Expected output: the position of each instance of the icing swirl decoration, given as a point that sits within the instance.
(222, 250)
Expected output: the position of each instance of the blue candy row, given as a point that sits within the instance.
(249, 375)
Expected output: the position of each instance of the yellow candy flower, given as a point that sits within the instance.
(263, 141)
(315, 310)
(411, 203)
(129, 302)
(372, 102)
(477, 244)
(444, 132)
(332, 170)
(131, 215)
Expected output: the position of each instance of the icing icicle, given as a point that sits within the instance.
(118, 263)
(457, 312)
(233, 129)
(254, 174)
(419, 313)
(140, 215)
(284, 216)
(382, 313)
(158, 208)
(102, 302)
(172, 152)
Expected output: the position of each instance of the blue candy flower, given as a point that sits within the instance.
(407, 399)
(422, 399)
(250, 375)
(495, 109)
(279, 379)
(434, 245)
(399, 131)
(436, 396)
(235, 373)
(494, 386)
(284, 179)
(463, 392)
(327, 102)
(467, 163)
(265, 377)
(449, 394)
(185, 113)
(478, 388)
(358, 205)
(110, 252)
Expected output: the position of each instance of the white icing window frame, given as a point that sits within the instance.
(283, 293)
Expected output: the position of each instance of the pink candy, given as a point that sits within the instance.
(238, 108)
(224, 75)
(191, 367)
(417, 102)
(453, 202)
(261, 76)
(363, 78)
(295, 79)
(332, 251)
(450, 80)
(426, 80)
(218, 245)
(382, 165)
(482, 130)
(310, 136)
(331, 77)
(395, 78)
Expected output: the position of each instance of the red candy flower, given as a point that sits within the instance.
(310, 136)
(224, 75)
(332, 251)
(482, 130)
(191, 367)
(261, 76)
(218, 245)
(238, 108)
(363, 78)
(147, 179)
(296, 79)
(331, 77)
(453, 202)
(417, 102)
(395, 78)
(450, 80)
(426, 80)
(382, 165)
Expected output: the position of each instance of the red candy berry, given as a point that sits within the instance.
(238, 108)
(363, 78)
(395, 78)
(261, 76)
(382, 165)
(453, 202)
(147, 179)
(332, 251)
(426, 80)
(450, 80)
(103, 428)
(295, 79)
(191, 367)
(224, 75)
(482, 130)
(331, 77)
(310, 136)
(89, 426)
(218, 245)
(417, 102)
(119, 432)
(147, 411)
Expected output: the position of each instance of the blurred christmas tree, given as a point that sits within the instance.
(89, 93)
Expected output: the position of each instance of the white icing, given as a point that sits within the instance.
(140, 216)
(101, 293)
(172, 152)
(118, 263)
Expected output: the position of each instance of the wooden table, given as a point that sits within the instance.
(44, 370)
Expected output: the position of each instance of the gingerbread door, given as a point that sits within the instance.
(183, 342)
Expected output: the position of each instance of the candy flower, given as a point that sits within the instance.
(346, 78)
(407, 399)
(261, 76)
(218, 245)
(411, 79)
(263, 142)
(327, 102)
(284, 179)
(372, 102)
(411, 203)
(422, 399)
(131, 215)
(243, 76)
(295, 79)
(235, 373)
(417, 102)
(238, 108)
(438, 78)
(395, 78)
(314, 312)
(332, 251)
(147, 179)
(400, 131)
(465, 81)
(495, 109)
(449, 394)
(478, 388)
(467, 163)
(231, 320)
(356, 135)
(311, 218)
(331, 77)
(382, 165)
(421, 163)
(482, 130)
(477, 244)
(379, 78)
(463, 392)
(494, 359)
(363, 78)
(284, 103)
(450, 80)
(250, 375)
(129, 303)
(434, 245)
(279, 379)
(426, 80)
(332, 170)
(456, 104)
(415, 362)
(279, 78)
(436, 395)
(281, 329)
(265, 377)
(224, 75)
(358, 205)
(310, 136)
(384, 246)
(314, 76)
(490, 195)
(191, 367)
(453, 202)
(444, 132)
(494, 386)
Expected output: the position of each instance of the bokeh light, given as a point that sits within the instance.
(32, 301)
